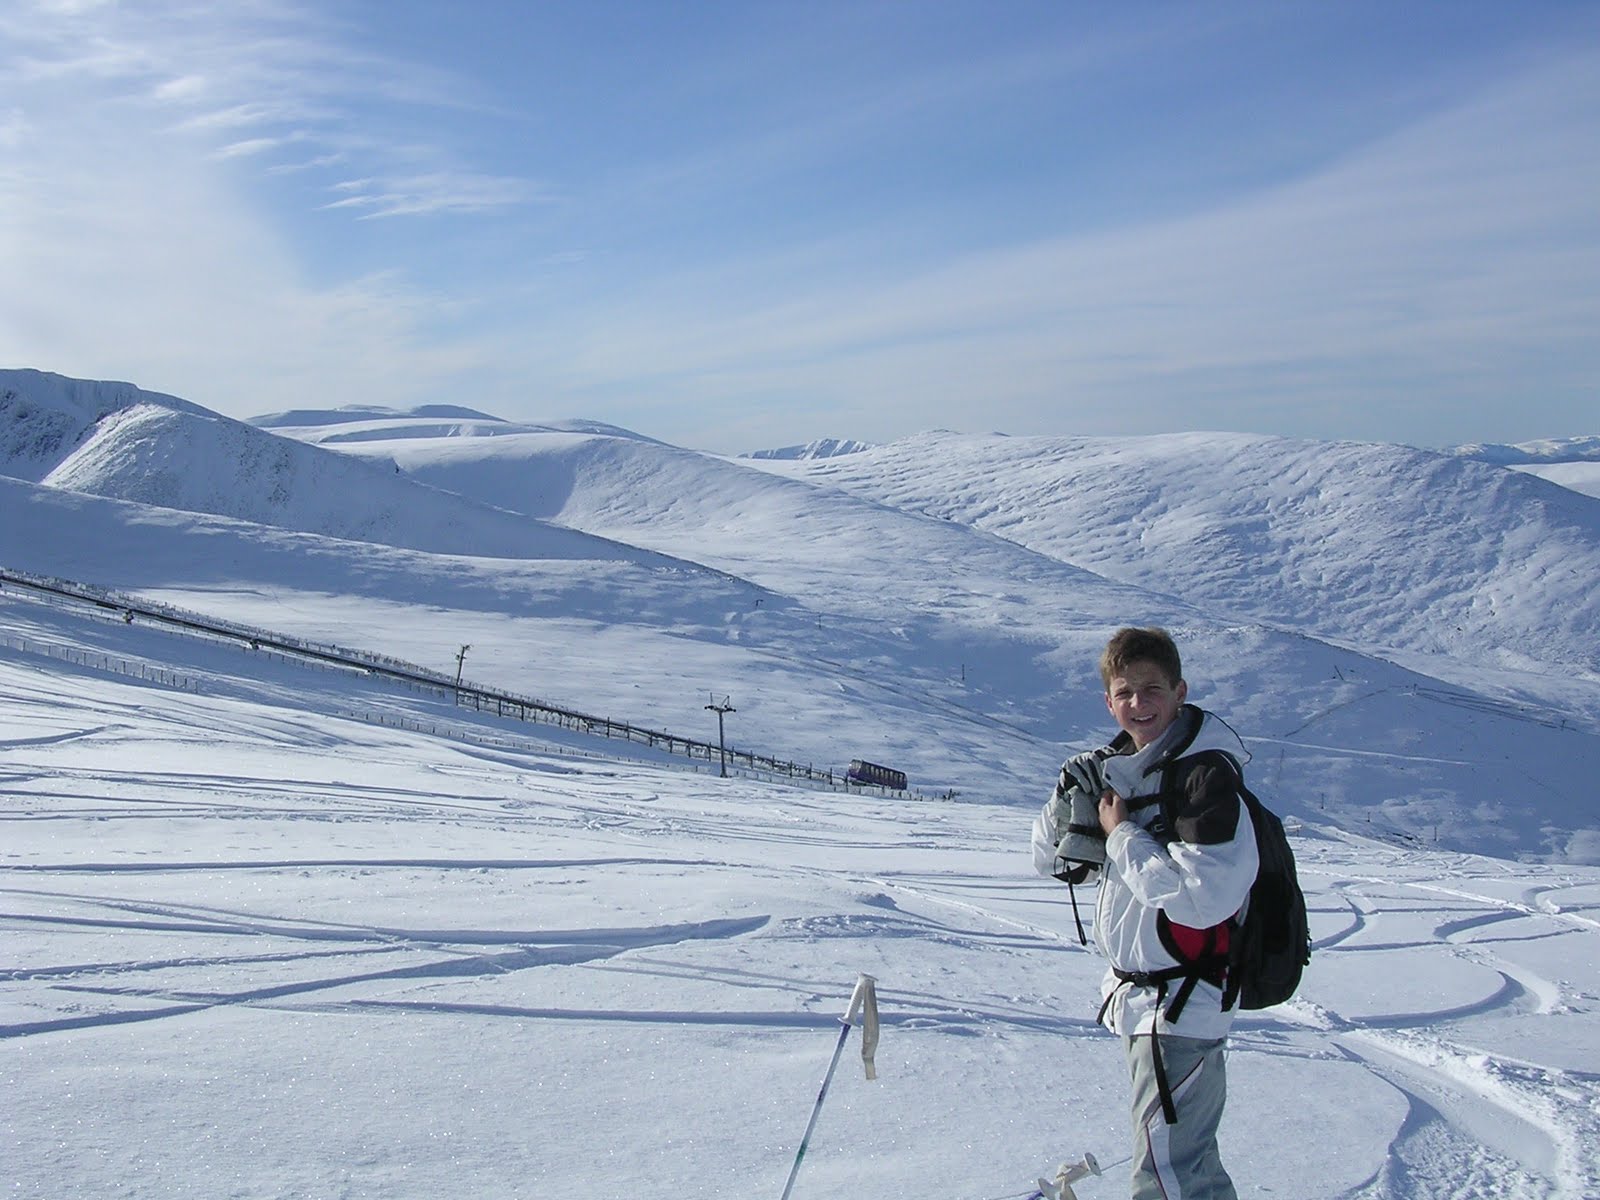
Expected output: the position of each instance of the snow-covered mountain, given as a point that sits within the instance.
(820, 448)
(117, 441)
(1574, 463)
(354, 414)
(936, 604)
(1370, 545)
(1581, 477)
(1393, 549)
(1537, 451)
(361, 423)
(44, 417)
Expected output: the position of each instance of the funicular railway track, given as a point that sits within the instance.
(465, 694)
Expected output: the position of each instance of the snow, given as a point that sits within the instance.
(276, 930)
(820, 448)
(1571, 462)
(1345, 527)
(44, 415)
(1538, 450)
(1578, 476)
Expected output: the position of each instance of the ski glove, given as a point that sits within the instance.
(1087, 770)
(1076, 815)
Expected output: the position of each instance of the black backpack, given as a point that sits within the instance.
(1270, 948)
(1267, 951)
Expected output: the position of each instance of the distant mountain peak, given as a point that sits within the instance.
(1541, 451)
(821, 448)
(350, 413)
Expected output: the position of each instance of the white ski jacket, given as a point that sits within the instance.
(1161, 885)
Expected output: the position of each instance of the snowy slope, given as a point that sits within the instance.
(110, 441)
(43, 416)
(1581, 477)
(829, 545)
(1571, 462)
(643, 640)
(843, 627)
(354, 414)
(965, 616)
(260, 946)
(1010, 635)
(1385, 547)
(1366, 545)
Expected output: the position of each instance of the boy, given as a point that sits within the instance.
(1177, 860)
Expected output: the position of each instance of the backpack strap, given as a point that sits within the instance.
(1072, 895)
(1189, 973)
(1251, 806)
(1169, 1109)
(1159, 981)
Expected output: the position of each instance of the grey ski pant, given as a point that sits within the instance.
(1178, 1162)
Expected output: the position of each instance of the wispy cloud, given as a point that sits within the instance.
(224, 201)
(419, 195)
(237, 117)
(1454, 263)
(246, 80)
(146, 255)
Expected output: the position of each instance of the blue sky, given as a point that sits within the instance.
(741, 225)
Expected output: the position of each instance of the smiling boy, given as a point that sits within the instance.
(1177, 862)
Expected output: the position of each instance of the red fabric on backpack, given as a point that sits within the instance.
(1187, 944)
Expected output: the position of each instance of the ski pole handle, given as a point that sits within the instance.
(863, 1004)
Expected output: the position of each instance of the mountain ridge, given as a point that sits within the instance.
(936, 604)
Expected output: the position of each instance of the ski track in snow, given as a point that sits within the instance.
(1479, 1123)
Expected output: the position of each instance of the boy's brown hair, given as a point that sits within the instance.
(1130, 645)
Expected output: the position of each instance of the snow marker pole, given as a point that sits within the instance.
(863, 1003)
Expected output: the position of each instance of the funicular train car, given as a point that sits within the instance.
(865, 772)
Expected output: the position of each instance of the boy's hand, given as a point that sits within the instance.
(1113, 811)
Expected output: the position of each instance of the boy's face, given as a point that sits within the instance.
(1144, 701)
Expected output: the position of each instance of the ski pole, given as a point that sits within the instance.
(1060, 1188)
(864, 1002)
